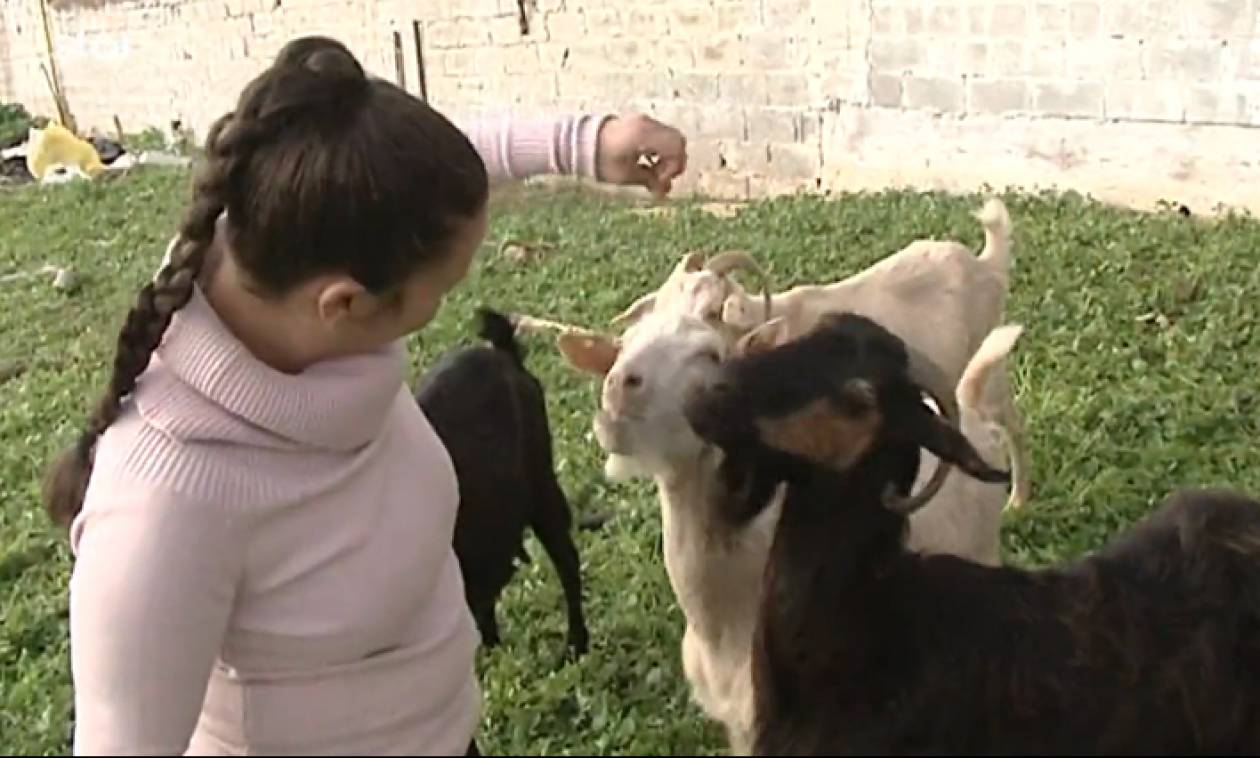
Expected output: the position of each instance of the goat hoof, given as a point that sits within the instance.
(574, 650)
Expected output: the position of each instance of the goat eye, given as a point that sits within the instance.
(712, 356)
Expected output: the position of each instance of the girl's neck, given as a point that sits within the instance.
(269, 330)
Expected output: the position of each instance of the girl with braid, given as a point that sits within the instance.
(261, 515)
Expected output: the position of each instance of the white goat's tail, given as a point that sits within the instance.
(997, 235)
(970, 391)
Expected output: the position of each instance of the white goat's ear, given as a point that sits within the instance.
(636, 310)
(768, 336)
(690, 263)
(592, 353)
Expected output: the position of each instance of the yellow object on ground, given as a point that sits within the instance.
(56, 146)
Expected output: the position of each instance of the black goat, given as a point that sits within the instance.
(492, 417)
(1149, 646)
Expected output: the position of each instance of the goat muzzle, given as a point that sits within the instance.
(610, 432)
(932, 380)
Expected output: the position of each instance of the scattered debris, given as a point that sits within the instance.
(66, 280)
(1159, 319)
(63, 279)
(13, 170)
(524, 252)
(11, 368)
(49, 153)
(109, 150)
(718, 209)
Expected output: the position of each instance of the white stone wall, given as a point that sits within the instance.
(1133, 101)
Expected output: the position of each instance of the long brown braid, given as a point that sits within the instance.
(309, 170)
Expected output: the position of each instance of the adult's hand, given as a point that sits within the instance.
(638, 150)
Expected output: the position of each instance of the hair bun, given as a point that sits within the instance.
(323, 56)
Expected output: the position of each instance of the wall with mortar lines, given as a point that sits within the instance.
(1131, 100)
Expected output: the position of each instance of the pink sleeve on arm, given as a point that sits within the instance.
(150, 598)
(516, 147)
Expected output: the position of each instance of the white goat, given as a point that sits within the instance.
(937, 295)
(714, 569)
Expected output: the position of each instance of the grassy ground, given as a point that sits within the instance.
(1137, 374)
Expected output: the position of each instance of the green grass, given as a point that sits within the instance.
(1119, 410)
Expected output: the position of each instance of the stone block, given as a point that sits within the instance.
(772, 125)
(998, 96)
(888, 19)
(744, 157)
(1215, 104)
(1067, 98)
(772, 51)
(785, 14)
(1217, 18)
(1085, 18)
(1009, 20)
(945, 20)
(504, 30)
(606, 22)
(675, 54)
(896, 54)
(914, 21)
(1046, 59)
(940, 95)
(723, 185)
(1006, 58)
(1050, 18)
(564, 26)
(721, 122)
(721, 53)
(1105, 58)
(1186, 60)
(1145, 101)
(886, 91)
(793, 161)
(790, 90)
(696, 88)
(629, 54)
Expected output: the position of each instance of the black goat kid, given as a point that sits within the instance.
(1150, 646)
(492, 417)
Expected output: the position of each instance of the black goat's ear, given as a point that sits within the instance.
(939, 437)
(766, 337)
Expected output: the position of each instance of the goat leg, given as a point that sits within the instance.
(554, 535)
(488, 625)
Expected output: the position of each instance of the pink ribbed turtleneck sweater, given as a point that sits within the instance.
(264, 562)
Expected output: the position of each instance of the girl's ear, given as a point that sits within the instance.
(341, 299)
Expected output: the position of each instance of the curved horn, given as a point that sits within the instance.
(926, 374)
(732, 260)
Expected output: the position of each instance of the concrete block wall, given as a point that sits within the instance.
(1133, 101)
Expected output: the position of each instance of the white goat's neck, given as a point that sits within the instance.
(714, 568)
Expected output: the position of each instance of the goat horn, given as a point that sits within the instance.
(731, 260)
(926, 374)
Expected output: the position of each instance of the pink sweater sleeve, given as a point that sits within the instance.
(515, 147)
(150, 598)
